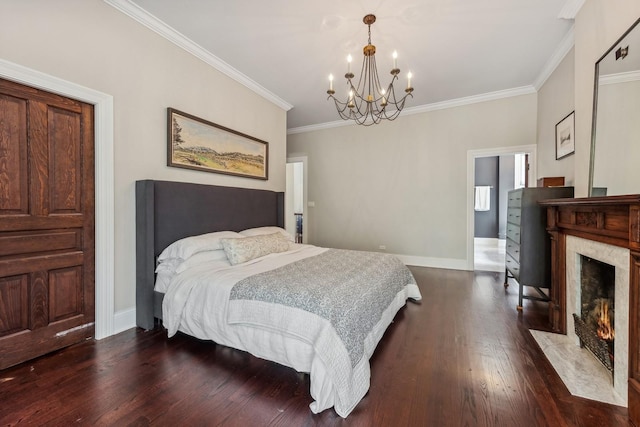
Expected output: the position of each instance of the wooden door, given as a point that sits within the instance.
(46, 222)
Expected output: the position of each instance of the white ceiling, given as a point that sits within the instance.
(285, 49)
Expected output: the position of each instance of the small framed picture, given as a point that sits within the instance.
(565, 136)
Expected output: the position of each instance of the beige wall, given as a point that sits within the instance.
(403, 184)
(91, 44)
(599, 24)
(555, 101)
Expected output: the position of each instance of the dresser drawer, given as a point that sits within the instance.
(513, 215)
(513, 266)
(513, 250)
(515, 199)
(513, 232)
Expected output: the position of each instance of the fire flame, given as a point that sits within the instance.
(605, 329)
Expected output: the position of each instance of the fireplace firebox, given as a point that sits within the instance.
(594, 325)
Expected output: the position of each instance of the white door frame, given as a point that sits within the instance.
(104, 166)
(471, 174)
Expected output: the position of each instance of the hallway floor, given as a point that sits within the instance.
(489, 254)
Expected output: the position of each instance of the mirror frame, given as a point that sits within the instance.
(594, 116)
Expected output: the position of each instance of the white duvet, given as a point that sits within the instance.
(197, 303)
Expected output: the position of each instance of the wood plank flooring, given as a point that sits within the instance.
(461, 357)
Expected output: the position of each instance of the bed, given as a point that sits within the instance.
(274, 301)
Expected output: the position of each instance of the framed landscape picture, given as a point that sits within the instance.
(565, 136)
(195, 143)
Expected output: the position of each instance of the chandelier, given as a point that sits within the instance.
(367, 101)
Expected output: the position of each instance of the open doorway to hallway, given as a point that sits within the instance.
(494, 176)
(294, 203)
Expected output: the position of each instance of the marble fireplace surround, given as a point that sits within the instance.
(580, 371)
(619, 258)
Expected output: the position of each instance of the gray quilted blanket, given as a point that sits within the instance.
(350, 289)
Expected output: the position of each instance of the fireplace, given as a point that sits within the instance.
(595, 323)
(606, 229)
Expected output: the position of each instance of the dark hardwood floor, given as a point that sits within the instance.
(462, 357)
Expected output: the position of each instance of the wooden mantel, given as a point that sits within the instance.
(613, 220)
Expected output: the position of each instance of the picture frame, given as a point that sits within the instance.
(565, 136)
(198, 144)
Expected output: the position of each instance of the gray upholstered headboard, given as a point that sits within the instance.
(168, 211)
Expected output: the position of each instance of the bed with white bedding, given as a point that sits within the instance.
(316, 310)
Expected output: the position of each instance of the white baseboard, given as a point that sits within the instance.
(123, 320)
(446, 263)
(489, 242)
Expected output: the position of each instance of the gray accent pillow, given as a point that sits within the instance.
(247, 248)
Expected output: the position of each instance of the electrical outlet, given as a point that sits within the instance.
(382, 247)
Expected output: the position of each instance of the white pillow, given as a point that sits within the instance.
(248, 248)
(213, 259)
(172, 266)
(163, 278)
(187, 247)
(260, 231)
(168, 265)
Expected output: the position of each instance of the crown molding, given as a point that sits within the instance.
(458, 102)
(561, 51)
(571, 9)
(140, 15)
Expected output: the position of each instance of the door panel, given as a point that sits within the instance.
(65, 293)
(46, 222)
(14, 195)
(64, 162)
(13, 296)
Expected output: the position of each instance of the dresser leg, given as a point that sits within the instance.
(521, 290)
(506, 278)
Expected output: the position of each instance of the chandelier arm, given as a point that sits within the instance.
(362, 80)
(375, 82)
(341, 106)
(360, 104)
(371, 77)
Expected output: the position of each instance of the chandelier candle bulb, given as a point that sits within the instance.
(395, 59)
(409, 81)
(349, 59)
(330, 81)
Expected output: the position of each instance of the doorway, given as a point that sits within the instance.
(491, 174)
(295, 199)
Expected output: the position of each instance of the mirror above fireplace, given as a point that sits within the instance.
(615, 140)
